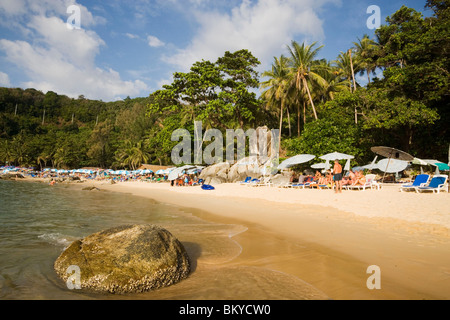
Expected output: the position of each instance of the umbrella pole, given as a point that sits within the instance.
(387, 166)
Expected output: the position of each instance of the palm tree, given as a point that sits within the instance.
(346, 68)
(304, 69)
(335, 83)
(277, 87)
(365, 49)
(132, 155)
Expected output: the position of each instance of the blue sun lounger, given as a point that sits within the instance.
(420, 181)
(436, 185)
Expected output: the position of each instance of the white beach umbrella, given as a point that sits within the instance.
(336, 156)
(319, 166)
(347, 165)
(392, 165)
(419, 162)
(298, 159)
(176, 173)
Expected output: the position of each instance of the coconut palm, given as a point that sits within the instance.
(334, 82)
(365, 49)
(132, 155)
(304, 69)
(277, 86)
(343, 63)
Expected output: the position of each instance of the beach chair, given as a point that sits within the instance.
(306, 183)
(246, 181)
(420, 181)
(266, 182)
(436, 185)
(370, 184)
(286, 185)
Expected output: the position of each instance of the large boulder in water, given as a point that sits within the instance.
(126, 259)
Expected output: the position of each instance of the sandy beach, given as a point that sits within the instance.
(329, 240)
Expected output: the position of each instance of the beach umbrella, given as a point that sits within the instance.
(392, 165)
(442, 166)
(419, 162)
(391, 153)
(177, 172)
(319, 166)
(336, 156)
(347, 165)
(298, 159)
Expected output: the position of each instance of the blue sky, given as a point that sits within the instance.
(132, 48)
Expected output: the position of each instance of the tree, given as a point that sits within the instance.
(277, 86)
(305, 71)
(365, 51)
(99, 149)
(132, 155)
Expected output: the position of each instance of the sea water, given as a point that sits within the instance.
(38, 221)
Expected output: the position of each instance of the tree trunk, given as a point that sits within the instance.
(310, 98)
(281, 124)
(289, 122)
(353, 72)
(298, 119)
(304, 114)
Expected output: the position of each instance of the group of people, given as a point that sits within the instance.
(333, 178)
(186, 180)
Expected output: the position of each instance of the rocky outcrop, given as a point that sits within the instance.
(255, 166)
(226, 173)
(11, 176)
(126, 259)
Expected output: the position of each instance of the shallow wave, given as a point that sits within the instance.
(57, 239)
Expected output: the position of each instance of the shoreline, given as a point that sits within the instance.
(322, 244)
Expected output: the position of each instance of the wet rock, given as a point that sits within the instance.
(126, 259)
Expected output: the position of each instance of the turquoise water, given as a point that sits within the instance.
(37, 222)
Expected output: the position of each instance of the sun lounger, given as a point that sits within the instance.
(246, 181)
(301, 185)
(420, 181)
(258, 183)
(370, 184)
(436, 185)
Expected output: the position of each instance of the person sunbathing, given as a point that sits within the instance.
(346, 180)
(360, 179)
(317, 176)
(351, 178)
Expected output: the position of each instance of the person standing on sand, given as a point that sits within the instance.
(337, 171)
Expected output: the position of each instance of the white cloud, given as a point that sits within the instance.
(131, 36)
(154, 42)
(4, 80)
(12, 7)
(264, 27)
(63, 60)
